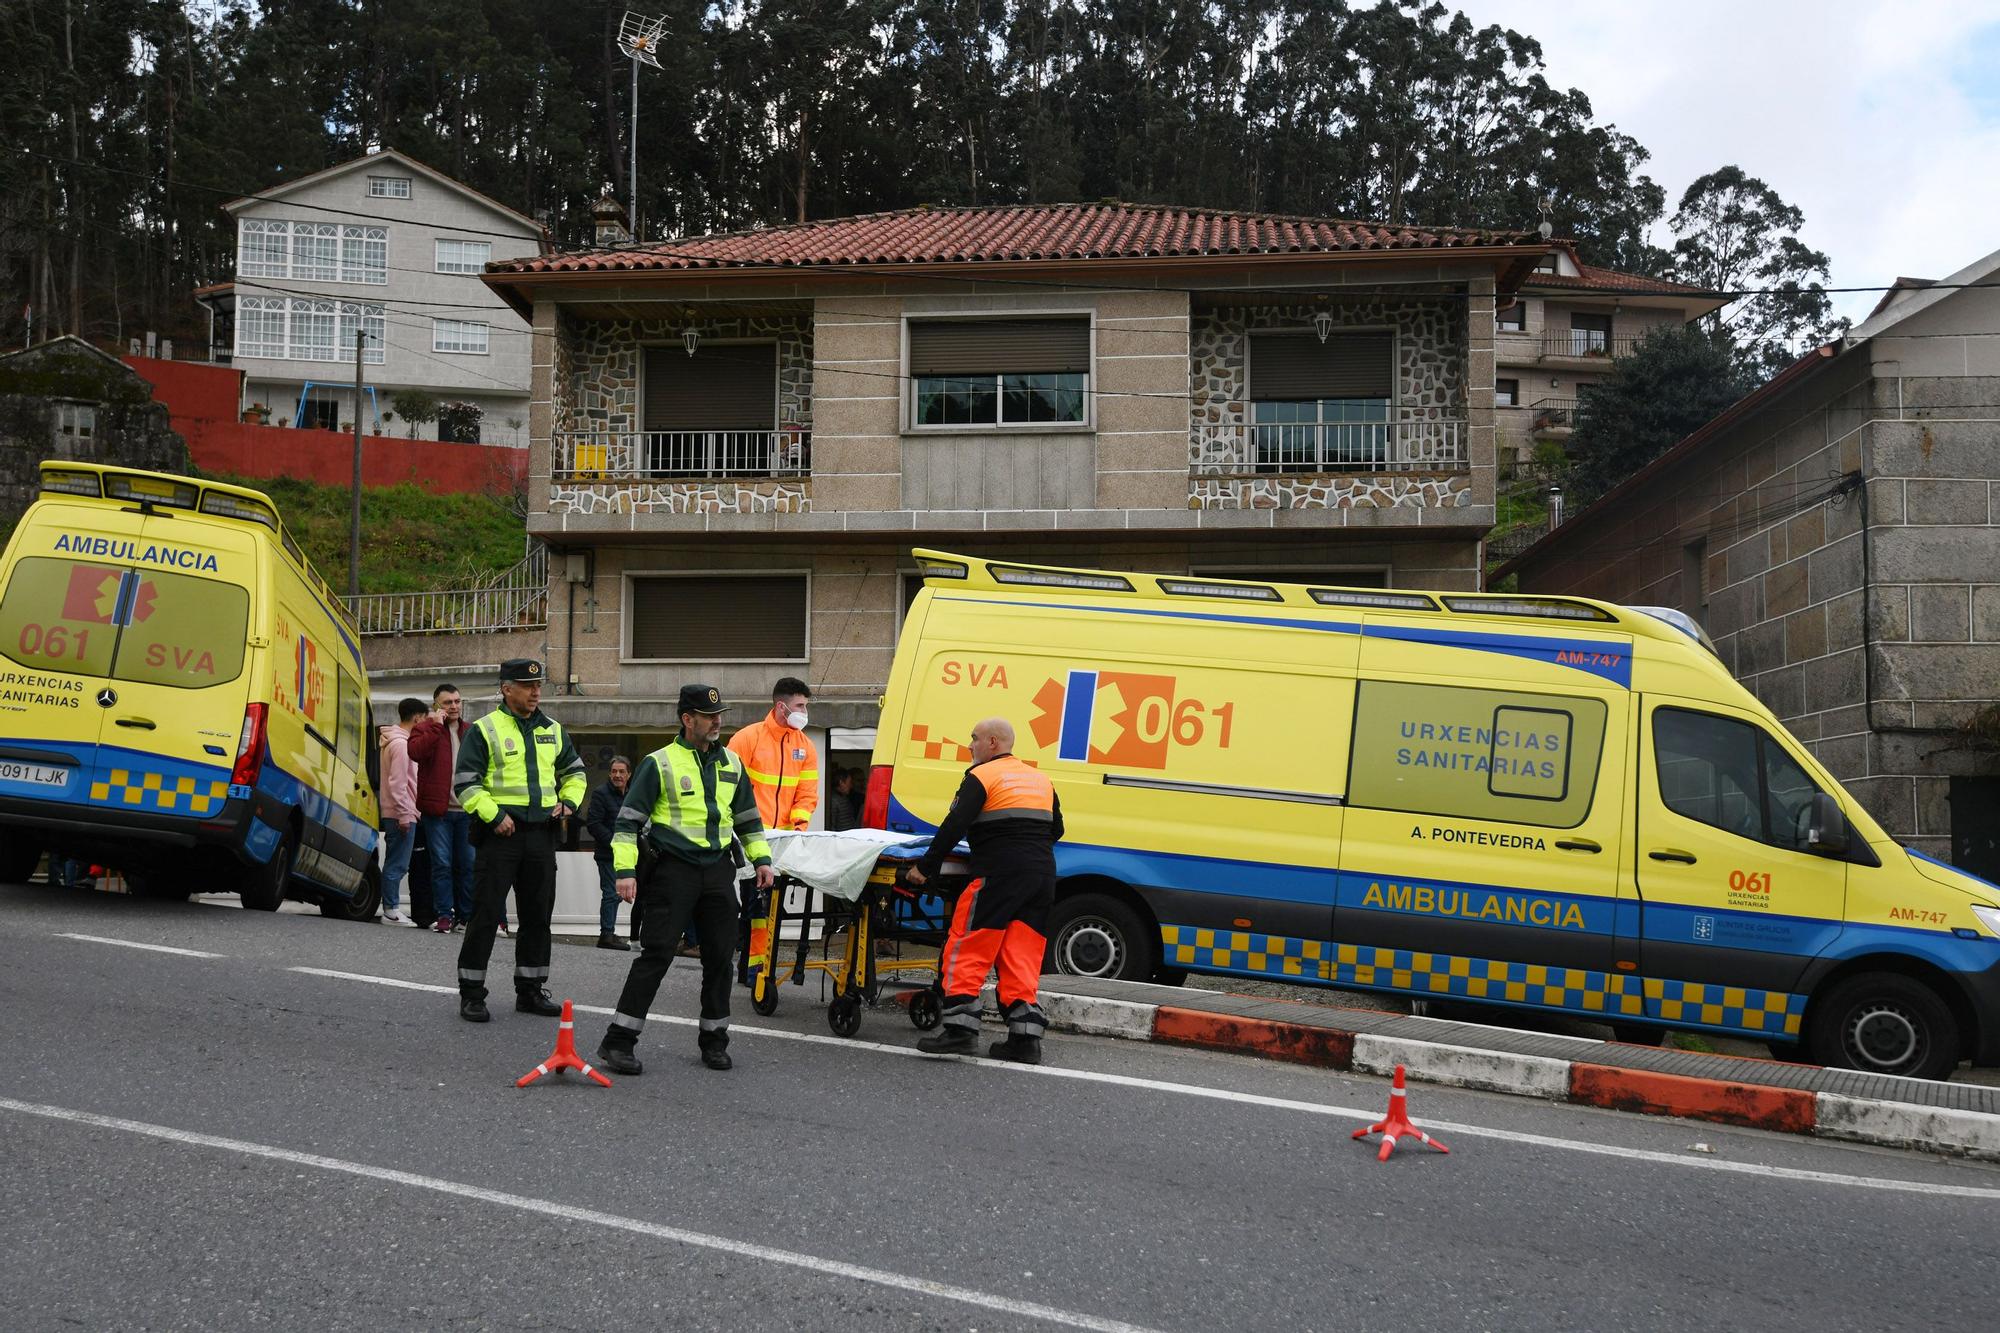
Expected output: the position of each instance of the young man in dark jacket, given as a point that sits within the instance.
(601, 818)
(434, 745)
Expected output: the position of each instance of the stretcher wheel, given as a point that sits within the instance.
(844, 1015)
(926, 1010)
(767, 1003)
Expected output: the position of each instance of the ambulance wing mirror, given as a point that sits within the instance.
(1827, 834)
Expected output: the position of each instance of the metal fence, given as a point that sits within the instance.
(1343, 446)
(679, 454)
(517, 598)
(1587, 344)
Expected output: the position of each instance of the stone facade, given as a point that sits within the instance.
(682, 497)
(126, 428)
(1332, 491)
(1842, 547)
(603, 367)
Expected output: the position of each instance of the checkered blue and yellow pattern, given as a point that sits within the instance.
(1611, 994)
(182, 795)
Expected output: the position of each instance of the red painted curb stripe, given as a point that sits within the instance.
(1786, 1110)
(1327, 1047)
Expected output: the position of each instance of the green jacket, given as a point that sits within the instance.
(694, 802)
(517, 766)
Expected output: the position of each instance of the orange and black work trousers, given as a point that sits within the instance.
(1003, 920)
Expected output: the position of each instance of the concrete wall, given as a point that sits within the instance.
(497, 381)
(1871, 629)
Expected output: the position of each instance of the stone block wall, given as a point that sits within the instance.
(605, 364)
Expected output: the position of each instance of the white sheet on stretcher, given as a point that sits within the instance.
(839, 864)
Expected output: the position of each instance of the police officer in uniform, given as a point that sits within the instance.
(517, 775)
(697, 798)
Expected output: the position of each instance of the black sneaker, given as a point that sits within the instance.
(715, 1057)
(619, 1059)
(1020, 1050)
(951, 1041)
(613, 942)
(471, 1010)
(536, 1002)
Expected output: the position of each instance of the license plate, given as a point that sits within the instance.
(34, 775)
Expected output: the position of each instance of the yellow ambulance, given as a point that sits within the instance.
(1540, 802)
(181, 698)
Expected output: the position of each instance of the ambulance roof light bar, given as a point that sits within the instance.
(1058, 578)
(1538, 608)
(1384, 601)
(1241, 592)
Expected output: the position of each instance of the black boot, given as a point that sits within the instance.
(536, 1001)
(619, 1059)
(951, 1041)
(715, 1051)
(612, 941)
(1021, 1050)
(472, 1009)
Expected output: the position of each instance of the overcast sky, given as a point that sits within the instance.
(1879, 118)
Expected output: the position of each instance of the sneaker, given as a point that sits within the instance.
(442, 925)
(951, 1041)
(394, 918)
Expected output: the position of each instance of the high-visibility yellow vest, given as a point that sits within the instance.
(684, 819)
(506, 783)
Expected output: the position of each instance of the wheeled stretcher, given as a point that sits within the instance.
(889, 933)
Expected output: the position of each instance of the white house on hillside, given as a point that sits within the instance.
(391, 247)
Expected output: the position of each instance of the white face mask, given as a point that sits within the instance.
(796, 721)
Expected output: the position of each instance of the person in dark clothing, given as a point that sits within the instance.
(1009, 811)
(692, 799)
(843, 808)
(601, 817)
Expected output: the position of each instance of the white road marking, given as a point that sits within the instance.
(1273, 1103)
(134, 944)
(589, 1216)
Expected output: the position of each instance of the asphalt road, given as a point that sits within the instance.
(230, 1142)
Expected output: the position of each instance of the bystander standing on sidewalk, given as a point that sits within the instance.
(399, 807)
(601, 818)
(843, 809)
(434, 745)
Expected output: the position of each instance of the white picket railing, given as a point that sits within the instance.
(1407, 445)
(516, 598)
(602, 455)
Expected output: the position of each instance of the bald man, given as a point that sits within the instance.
(1010, 813)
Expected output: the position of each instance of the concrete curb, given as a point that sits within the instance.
(1322, 1042)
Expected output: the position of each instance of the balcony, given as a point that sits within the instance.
(1554, 418)
(679, 455)
(1586, 345)
(1245, 450)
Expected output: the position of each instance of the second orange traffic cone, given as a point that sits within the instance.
(1397, 1125)
(564, 1056)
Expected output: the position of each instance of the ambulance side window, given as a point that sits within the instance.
(353, 714)
(1502, 755)
(1730, 775)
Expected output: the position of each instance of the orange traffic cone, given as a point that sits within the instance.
(564, 1057)
(1398, 1125)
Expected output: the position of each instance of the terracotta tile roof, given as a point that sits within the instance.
(1016, 232)
(1594, 278)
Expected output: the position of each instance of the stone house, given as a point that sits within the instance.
(66, 399)
(737, 440)
(1566, 327)
(1838, 534)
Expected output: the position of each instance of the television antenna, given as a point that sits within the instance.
(639, 39)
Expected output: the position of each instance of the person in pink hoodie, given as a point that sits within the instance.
(399, 807)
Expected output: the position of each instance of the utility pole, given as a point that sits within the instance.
(354, 502)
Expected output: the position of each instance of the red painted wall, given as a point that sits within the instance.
(203, 402)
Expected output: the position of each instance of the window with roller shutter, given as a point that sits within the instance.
(712, 414)
(1000, 372)
(717, 617)
(1321, 404)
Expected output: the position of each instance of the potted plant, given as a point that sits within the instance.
(256, 414)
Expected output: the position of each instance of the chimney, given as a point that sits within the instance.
(609, 216)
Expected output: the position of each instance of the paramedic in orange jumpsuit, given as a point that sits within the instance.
(782, 764)
(1010, 813)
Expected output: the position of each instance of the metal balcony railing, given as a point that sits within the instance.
(517, 598)
(1555, 413)
(1587, 344)
(1346, 446)
(588, 456)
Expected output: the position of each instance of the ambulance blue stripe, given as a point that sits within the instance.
(1078, 703)
(1609, 659)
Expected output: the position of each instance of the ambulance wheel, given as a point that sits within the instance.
(20, 853)
(262, 887)
(1883, 1023)
(1097, 935)
(767, 1003)
(361, 907)
(844, 1015)
(926, 1010)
